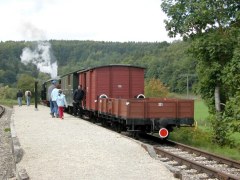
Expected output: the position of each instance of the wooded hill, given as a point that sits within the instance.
(167, 62)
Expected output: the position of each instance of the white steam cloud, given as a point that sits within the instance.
(41, 55)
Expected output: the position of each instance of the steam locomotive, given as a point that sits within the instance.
(114, 96)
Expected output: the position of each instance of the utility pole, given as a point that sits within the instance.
(187, 75)
(36, 95)
(187, 86)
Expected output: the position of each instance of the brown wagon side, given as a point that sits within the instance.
(150, 113)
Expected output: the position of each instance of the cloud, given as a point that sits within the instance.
(30, 31)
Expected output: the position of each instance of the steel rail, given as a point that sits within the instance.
(210, 156)
(195, 165)
(2, 110)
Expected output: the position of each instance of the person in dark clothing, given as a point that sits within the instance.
(78, 96)
(19, 97)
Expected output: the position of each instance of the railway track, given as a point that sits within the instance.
(193, 163)
(2, 110)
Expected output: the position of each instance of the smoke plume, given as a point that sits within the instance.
(41, 55)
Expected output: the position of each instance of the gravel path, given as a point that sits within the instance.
(74, 149)
(7, 164)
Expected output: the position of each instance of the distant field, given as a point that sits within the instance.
(200, 112)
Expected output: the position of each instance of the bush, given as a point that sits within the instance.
(8, 93)
(155, 88)
(191, 136)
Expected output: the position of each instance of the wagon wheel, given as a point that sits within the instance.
(104, 123)
(118, 127)
(70, 111)
(92, 119)
(135, 135)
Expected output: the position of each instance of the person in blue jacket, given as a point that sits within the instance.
(50, 89)
(54, 96)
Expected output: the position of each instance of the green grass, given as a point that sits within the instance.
(7, 129)
(200, 112)
(200, 136)
(8, 102)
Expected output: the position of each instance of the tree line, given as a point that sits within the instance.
(167, 62)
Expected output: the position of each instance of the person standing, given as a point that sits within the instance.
(61, 102)
(77, 101)
(19, 97)
(50, 89)
(54, 96)
(28, 95)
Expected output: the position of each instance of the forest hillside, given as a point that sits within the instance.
(167, 62)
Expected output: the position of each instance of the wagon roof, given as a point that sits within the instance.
(49, 80)
(72, 72)
(111, 65)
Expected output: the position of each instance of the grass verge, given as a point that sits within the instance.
(8, 102)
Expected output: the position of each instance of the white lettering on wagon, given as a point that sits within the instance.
(160, 104)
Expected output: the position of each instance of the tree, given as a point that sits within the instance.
(26, 82)
(155, 88)
(213, 28)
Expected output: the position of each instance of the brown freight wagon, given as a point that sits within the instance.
(114, 95)
(149, 114)
(111, 81)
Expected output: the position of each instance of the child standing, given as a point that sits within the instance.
(61, 102)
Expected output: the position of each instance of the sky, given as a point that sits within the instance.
(98, 20)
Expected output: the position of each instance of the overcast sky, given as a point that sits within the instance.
(99, 20)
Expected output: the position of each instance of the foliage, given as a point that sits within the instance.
(173, 66)
(7, 130)
(9, 102)
(222, 131)
(231, 75)
(232, 113)
(7, 93)
(212, 27)
(195, 137)
(26, 82)
(155, 88)
(189, 18)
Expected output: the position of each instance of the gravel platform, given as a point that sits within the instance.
(7, 163)
(75, 149)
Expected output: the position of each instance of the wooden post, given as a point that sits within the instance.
(36, 95)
